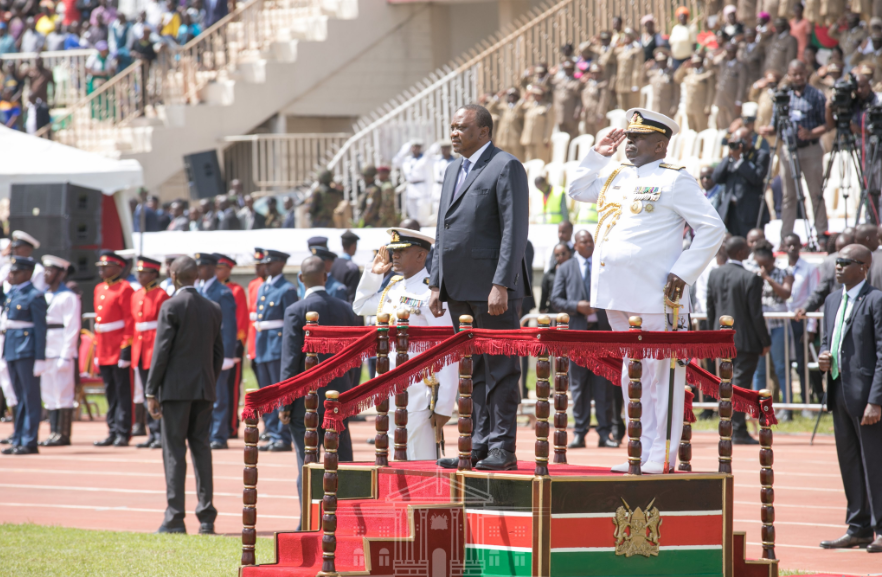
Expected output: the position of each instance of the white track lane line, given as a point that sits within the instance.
(190, 475)
(132, 510)
(141, 491)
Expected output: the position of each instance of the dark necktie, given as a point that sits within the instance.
(586, 278)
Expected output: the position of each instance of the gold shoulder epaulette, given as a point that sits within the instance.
(626, 164)
(671, 166)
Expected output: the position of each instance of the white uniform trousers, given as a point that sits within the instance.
(420, 436)
(656, 374)
(57, 385)
(138, 397)
(5, 381)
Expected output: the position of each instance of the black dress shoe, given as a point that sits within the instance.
(206, 529)
(277, 447)
(121, 442)
(578, 442)
(371, 440)
(453, 462)
(264, 437)
(875, 546)
(157, 444)
(138, 430)
(22, 450)
(6, 441)
(608, 443)
(218, 445)
(847, 542)
(146, 444)
(177, 530)
(9, 450)
(106, 442)
(498, 460)
(744, 440)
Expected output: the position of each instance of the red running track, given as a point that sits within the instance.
(123, 489)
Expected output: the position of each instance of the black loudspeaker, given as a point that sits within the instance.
(65, 218)
(204, 174)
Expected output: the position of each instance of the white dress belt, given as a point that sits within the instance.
(268, 325)
(10, 324)
(109, 327)
(252, 316)
(146, 326)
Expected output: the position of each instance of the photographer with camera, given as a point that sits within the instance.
(800, 119)
(741, 174)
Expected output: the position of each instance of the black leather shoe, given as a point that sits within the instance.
(578, 442)
(847, 542)
(9, 450)
(608, 443)
(121, 442)
(206, 529)
(6, 441)
(498, 460)
(22, 450)
(157, 444)
(264, 437)
(277, 447)
(218, 445)
(138, 430)
(146, 444)
(371, 440)
(745, 440)
(875, 546)
(176, 530)
(453, 462)
(106, 442)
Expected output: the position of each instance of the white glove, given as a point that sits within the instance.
(39, 368)
(228, 364)
(60, 364)
(124, 364)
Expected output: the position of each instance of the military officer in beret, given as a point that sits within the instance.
(643, 206)
(409, 289)
(114, 331)
(146, 302)
(63, 323)
(214, 290)
(24, 321)
(275, 295)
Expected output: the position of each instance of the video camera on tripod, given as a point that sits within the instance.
(842, 103)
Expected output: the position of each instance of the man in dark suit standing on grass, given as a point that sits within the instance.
(479, 269)
(187, 357)
(851, 350)
(572, 295)
(734, 291)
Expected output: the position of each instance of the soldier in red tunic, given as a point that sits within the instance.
(253, 288)
(114, 328)
(223, 271)
(145, 311)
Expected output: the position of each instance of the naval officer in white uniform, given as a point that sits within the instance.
(643, 206)
(409, 288)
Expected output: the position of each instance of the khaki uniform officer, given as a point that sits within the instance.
(409, 288)
(643, 206)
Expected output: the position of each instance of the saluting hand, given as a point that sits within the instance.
(609, 143)
(382, 263)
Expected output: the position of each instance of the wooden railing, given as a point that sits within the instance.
(424, 110)
(68, 71)
(266, 161)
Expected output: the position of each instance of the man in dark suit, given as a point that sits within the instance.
(343, 269)
(527, 306)
(734, 291)
(741, 174)
(187, 357)
(850, 351)
(479, 269)
(332, 312)
(827, 268)
(572, 295)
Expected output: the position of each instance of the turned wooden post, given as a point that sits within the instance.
(381, 440)
(464, 403)
(635, 407)
(767, 481)
(329, 501)
(543, 390)
(311, 402)
(249, 494)
(561, 384)
(401, 357)
(685, 452)
(725, 447)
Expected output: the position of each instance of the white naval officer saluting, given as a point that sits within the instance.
(409, 288)
(642, 207)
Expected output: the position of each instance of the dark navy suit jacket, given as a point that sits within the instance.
(222, 295)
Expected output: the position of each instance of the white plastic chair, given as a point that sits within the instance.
(570, 169)
(559, 142)
(580, 146)
(617, 118)
(555, 173)
(646, 97)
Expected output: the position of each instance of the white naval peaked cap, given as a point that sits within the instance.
(643, 121)
(405, 237)
(58, 262)
(20, 235)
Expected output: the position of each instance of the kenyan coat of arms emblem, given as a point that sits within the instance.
(637, 531)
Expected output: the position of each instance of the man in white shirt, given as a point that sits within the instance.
(805, 279)
(417, 171)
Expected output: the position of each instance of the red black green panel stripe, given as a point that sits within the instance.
(499, 528)
(681, 529)
(481, 560)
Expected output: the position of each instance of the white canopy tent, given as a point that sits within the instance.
(28, 159)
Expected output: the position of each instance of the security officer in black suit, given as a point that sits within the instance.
(24, 349)
(332, 312)
(479, 270)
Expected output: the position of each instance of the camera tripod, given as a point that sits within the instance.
(846, 151)
(785, 130)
